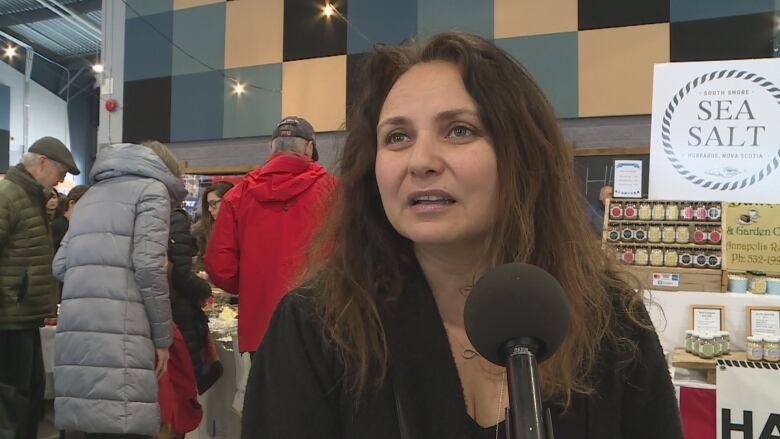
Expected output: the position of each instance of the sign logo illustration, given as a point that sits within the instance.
(727, 130)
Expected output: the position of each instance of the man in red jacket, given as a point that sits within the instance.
(264, 225)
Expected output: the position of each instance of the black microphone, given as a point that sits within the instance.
(517, 315)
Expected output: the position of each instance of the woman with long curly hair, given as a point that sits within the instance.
(454, 164)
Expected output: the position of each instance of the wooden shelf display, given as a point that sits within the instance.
(675, 246)
(684, 360)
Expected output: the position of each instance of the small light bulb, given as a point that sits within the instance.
(238, 88)
(97, 68)
(328, 10)
(10, 51)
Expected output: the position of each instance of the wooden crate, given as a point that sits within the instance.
(691, 279)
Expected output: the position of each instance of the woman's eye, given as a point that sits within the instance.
(461, 131)
(396, 137)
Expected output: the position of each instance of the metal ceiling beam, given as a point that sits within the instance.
(78, 22)
(42, 14)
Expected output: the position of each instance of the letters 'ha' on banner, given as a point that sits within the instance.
(715, 134)
(748, 403)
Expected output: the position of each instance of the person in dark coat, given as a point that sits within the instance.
(60, 224)
(191, 293)
(454, 164)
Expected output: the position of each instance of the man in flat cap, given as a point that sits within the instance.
(264, 224)
(28, 292)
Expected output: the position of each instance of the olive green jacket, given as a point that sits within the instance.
(28, 292)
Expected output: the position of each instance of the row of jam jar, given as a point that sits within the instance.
(667, 234)
(659, 211)
(669, 257)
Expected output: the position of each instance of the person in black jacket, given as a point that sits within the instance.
(191, 293)
(454, 164)
(59, 227)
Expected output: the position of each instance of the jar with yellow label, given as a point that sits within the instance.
(670, 257)
(668, 234)
(645, 211)
(757, 282)
(654, 233)
(656, 257)
(672, 212)
(659, 212)
(642, 257)
(682, 234)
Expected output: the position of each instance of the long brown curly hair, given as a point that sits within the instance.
(359, 260)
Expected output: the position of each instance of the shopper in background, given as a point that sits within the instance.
(454, 164)
(28, 292)
(264, 225)
(60, 224)
(210, 202)
(114, 327)
(596, 213)
(53, 206)
(192, 292)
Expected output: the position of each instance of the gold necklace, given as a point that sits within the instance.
(466, 353)
(500, 401)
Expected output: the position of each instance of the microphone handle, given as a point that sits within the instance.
(525, 397)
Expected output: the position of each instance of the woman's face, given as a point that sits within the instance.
(214, 201)
(435, 164)
(51, 204)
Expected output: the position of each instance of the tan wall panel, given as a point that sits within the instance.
(616, 68)
(316, 89)
(516, 18)
(254, 32)
(183, 4)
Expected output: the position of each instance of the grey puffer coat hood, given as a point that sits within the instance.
(115, 301)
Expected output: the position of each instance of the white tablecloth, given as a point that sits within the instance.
(673, 321)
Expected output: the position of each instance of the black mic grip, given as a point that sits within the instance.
(525, 398)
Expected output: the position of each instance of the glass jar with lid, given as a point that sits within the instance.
(613, 235)
(630, 210)
(627, 234)
(641, 257)
(654, 233)
(714, 236)
(713, 260)
(713, 212)
(682, 234)
(717, 340)
(700, 212)
(686, 211)
(707, 346)
(656, 257)
(699, 235)
(725, 342)
(755, 348)
(640, 234)
(700, 260)
(757, 282)
(616, 210)
(659, 212)
(668, 234)
(628, 256)
(672, 212)
(645, 211)
(689, 341)
(695, 342)
(685, 260)
(772, 348)
(670, 257)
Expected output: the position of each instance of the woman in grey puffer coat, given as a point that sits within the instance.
(114, 326)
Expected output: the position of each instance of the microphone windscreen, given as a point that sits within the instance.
(512, 301)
